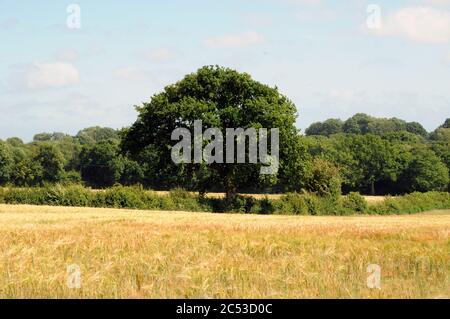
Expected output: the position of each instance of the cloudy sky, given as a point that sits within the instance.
(332, 58)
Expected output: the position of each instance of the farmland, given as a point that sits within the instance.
(144, 254)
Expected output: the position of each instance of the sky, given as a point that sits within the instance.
(65, 66)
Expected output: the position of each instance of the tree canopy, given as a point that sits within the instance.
(220, 98)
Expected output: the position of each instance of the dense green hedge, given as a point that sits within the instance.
(179, 200)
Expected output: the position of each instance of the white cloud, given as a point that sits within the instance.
(126, 73)
(441, 3)
(158, 55)
(9, 23)
(258, 20)
(131, 74)
(308, 3)
(421, 24)
(67, 55)
(96, 49)
(43, 76)
(51, 75)
(234, 40)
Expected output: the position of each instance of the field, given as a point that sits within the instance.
(142, 254)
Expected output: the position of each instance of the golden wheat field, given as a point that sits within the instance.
(142, 254)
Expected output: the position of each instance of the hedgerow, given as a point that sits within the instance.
(136, 197)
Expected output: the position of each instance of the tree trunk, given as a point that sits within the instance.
(372, 188)
(230, 190)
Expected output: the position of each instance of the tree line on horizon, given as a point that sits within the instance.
(363, 154)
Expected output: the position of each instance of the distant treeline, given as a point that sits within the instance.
(363, 154)
(383, 156)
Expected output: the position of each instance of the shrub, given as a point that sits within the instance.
(122, 197)
(412, 203)
(2, 196)
(313, 204)
(263, 206)
(354, 202)
(70, 178)
(293, 203)
(183, 200)
(325, 180)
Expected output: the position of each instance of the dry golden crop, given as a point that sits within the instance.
(141, 254)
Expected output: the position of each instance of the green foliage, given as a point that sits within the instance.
(325, 179)
(14, 141)
(101, 164)
(327, 128)
(442, 150)
(47, 164)
(297, 171)
(416, 128)
(6, 163)
(47, 137)
(412, 203)
(426, 172)
(132, 173)
(121, 197)
(292, 204)
(446, 123)
(71, 177)
(96, 134)
(354, 202)
(365, 124)
(221, 98)
(441, 134)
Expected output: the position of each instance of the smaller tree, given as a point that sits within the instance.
(42, 137)
(416, 128)
(49, 164)
(376, 159)
(132, 173)
(425, 173)
(100, 164)
(357, 124)
(325, 179)
(6, 162)
(327, 128)
(14, 141)
(96, 134)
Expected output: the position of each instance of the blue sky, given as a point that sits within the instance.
(320, 53)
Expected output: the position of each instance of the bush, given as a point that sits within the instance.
(2, 195)
(183, 200)
(354, 202)
(70, 178)
(412, 203)
(325, 180)
(293, 204)
(121, 197)
(264, 206)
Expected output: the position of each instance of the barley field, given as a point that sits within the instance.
(142, 254)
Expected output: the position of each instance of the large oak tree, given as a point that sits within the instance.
(221, 98)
